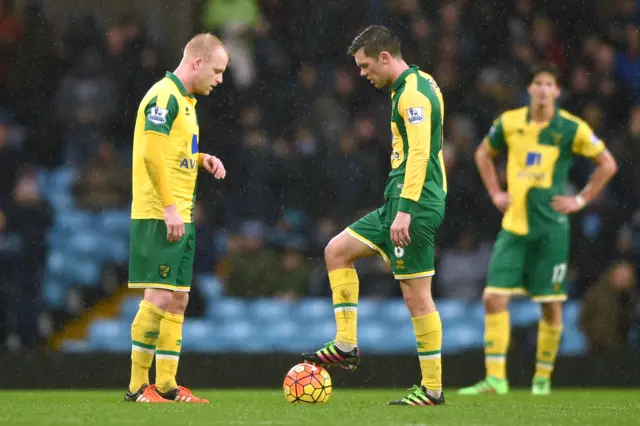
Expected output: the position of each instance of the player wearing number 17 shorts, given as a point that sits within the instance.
(402, 231)
(531, 253)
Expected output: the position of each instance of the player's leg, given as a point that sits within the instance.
(170, 340)
(152, 266)
(361, 239)
(414, 267)
(504, 280)
(548, 277)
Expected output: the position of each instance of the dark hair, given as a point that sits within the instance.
(548, 68)
(376, 39)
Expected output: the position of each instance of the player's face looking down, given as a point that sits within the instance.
(208, 72)
(543, 90)
(376, 70)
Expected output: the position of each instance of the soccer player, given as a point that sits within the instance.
(531, 253)
(402, 231)
(166, 160)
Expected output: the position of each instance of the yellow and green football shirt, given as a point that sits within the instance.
(167, 110)
(538, 161)
(417, 174)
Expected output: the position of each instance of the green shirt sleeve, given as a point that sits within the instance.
(496, 136)
(160, 114)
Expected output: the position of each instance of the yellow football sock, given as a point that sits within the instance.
(548, 342)
(497, 331)
(345, 287)
(144, 338)
(428, 329)
(168, 352)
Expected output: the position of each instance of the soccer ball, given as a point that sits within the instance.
(307, 383)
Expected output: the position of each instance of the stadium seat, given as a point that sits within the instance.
(394, 311)
(196, 332)
(523, 312)
(310, 310)
(210, 286)
(54, 294)
(451, 309)
(109, 334)
(573, 342)
(115, 221)
(86, 243)
(460, 337)
(372, 335)
(368, 309)
(235, 333)
(84, 272)
(270, 309)
(226, 307)
(129, 308)
(571, 313)
(75, 346)
(74, 221)
(277, 333)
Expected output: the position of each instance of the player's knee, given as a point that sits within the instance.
(552, 313)
(495, 303)
(334, 254)
(159, 298)
(179, 303)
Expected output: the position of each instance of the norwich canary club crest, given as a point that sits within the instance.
(164, 270)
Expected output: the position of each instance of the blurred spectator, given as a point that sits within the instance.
(103, 182)
(609, 308)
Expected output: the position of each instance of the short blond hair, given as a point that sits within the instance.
(202, 45)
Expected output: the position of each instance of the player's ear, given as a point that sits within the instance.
(384, 57)
(197, 63)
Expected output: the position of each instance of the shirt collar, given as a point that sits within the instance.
(400, 80)
(171, 76)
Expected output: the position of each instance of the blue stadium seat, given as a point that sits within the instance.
(42, 176)
(524, 312)
(75, 346)
(196, 333)
(115, 249)
(368, 309)
(451, 310)
(63, 177)
(309, 310)
(210, 286)
(400, 339)
(54, 294)
(459, 337)
(235, 331)
(129, 308)
(573, 342)
(372, 335)
(74, 221)
(571, 313)
(115, 221)
(394, 311)
(84, 272)
(270, 309)
(277, 334)
(226, 307)
(86, 243)
(57, 263)
(109, 334)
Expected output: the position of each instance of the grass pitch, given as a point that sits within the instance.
(347, 406)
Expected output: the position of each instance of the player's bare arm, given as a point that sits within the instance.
(606, 168)
(213, 165)
(484, 158)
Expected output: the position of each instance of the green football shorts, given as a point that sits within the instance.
(155, 262)
(417, 259)
(530, 265)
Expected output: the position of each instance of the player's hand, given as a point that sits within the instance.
(565, 205)
(502, 200)
(175, 225)
(400, 229)
(214, 166)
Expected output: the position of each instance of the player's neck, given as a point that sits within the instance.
(182, 73)
(541, 114)
(397, 68)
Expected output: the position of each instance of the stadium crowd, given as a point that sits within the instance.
(306, 142)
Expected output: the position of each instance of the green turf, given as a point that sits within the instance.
(348, 407)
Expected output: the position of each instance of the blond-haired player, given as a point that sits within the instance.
(166, 160)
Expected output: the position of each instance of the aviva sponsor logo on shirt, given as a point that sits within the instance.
(532, 159)
(188, 163)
